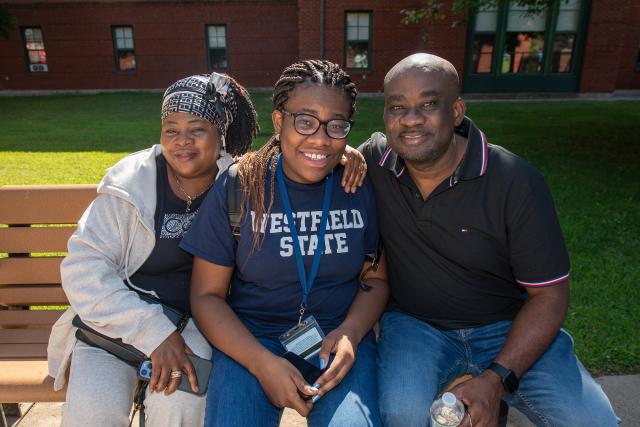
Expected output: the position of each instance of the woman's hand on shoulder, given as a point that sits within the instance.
(355, 169)
(171, 356)
(283, 383)
(344, 344)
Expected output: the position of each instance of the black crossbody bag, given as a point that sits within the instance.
(126, 352)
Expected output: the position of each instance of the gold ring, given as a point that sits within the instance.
(363, 168)
(176, 374)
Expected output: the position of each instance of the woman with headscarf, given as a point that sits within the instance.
(126, 245)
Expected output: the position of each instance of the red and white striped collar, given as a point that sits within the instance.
(475, 161)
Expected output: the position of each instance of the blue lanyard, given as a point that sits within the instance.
(306, 283)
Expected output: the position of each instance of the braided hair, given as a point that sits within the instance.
(254, 167)
(244, 128)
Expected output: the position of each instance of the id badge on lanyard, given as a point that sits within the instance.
(305, 338)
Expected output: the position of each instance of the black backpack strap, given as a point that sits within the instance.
(375, 262)
(234, 199)
(378, 253)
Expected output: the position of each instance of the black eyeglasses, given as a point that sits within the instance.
(308, 124)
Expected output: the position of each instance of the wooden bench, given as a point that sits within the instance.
(35, 224)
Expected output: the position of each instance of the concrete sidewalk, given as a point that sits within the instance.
(623, 391)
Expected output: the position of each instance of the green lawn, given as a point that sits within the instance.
(589, 151)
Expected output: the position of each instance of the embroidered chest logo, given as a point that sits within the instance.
(174, 225)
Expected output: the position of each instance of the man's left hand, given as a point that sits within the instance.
(482, 395)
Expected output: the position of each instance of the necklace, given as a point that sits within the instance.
(190, 199)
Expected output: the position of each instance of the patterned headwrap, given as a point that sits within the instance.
(206, 96)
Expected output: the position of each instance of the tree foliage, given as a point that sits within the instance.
(7, 22)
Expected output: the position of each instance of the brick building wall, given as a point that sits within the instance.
(613, 40)
(263, 36)
(391, 40)
(629, 69)
(169, 42)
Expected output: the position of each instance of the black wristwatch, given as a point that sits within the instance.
(509, 378)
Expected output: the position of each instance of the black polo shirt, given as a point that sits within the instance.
(464, 257)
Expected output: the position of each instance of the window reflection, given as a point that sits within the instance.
(523, 53)
(483, 46)
(486, 19)
(357, 55)
(484, 39)
(564, 39)
(509, 44)
(568, 16)
(126, 60)
(124, 48)
(357, 39)
(562, 53)
(36, 53)
(519, 19)
(217, 45)
(524, 41)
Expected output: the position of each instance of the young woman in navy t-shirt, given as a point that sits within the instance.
(259, 295)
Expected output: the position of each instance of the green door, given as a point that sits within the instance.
(510, 50)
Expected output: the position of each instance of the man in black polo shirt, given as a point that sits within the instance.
(477, 265)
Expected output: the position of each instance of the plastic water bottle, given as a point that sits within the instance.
(447, 411)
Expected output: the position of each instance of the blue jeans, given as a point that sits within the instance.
(416, 361)
(235, 397)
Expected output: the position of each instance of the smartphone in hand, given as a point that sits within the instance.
(309, 371)
(203, 370)
(201, 366)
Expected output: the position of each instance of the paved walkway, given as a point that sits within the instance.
(623, 390)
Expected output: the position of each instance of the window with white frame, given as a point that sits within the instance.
(34, 48)
(124, 48)
(217, 47)
(358, 40)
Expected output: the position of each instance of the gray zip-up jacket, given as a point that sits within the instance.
(114, 237)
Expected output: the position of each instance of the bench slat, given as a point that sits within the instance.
(23, 351)
(32, 295)
(44, 204)
(24, 336)
(31, 270)
(27, 381)
(33, 281)
(22, 318)
(34, 239)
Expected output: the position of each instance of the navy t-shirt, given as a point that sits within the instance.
(265, 290)
(167, 271)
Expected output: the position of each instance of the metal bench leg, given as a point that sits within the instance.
(2, 417)
(9, 410)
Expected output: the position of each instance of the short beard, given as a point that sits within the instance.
(423, 155)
